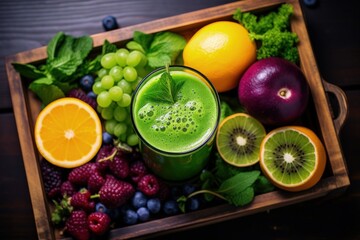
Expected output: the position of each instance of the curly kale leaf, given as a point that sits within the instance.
(272, 32)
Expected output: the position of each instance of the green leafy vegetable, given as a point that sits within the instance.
(66, 62)
(167, 90)
(160, 48)
(272, 32)
(237, 186)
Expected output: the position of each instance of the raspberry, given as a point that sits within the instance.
(95, 182)
(119, 166)
(80, 175)
(99, 223)
(52, 178)
(80, 94)
(81, 201)
(67, 188)
(149, 185)
(137, 170)
(164, 191)
(77, 225)
(115, 193)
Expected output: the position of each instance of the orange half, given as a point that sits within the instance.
(280, 165)
(68, 132)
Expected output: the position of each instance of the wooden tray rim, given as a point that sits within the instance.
(339, 181)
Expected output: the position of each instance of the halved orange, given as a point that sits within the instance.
(68, 132)
(293, 158)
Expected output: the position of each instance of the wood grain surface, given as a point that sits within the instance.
(334, 31)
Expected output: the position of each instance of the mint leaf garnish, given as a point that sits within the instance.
(67, 60)
(167, 90)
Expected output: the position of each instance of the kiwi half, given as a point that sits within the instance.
(238, 139)
(292, 157)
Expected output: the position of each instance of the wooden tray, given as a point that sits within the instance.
(336, 179)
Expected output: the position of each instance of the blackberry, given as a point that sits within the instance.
(52, 178)
(80, 94)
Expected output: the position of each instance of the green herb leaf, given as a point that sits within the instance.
(28, 70)
(168, 90)
(238, 189)
(263, 185)
(241, 198)
(54, 44)
(108, 47)
(47, 93)
(143, 39)
(238, 183)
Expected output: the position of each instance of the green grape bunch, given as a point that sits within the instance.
(120, 73)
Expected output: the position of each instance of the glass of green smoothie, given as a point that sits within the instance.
(175, 111)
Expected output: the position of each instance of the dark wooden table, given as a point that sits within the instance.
(334, 29)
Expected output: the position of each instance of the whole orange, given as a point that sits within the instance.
(222, 51)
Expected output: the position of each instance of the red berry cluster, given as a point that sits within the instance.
(111, 179)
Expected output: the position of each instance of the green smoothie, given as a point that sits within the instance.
(176, 137)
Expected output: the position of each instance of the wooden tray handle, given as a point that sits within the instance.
(343, 104)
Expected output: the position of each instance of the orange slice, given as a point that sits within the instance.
(293, 158)
(68, 132)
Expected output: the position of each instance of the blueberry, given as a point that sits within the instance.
(107, 138)
(188, 188)
(175, 192)
(124, 208)
(154, 205)
(113, 213)
(310, 3)
(91, 94)
(192, 204)
(130, 217)
(143, 214)
(109, 23)
(101, 208)
(139, 200)
(86, 82)
(171, 207)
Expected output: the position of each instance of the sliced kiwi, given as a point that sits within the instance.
(292, 157)
(238, 139)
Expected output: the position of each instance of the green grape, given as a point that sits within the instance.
(132, 45)
(108, 60)
(110, 125)
(130, 73)
(99, 109)
(119, 129)
(121, 56)
(97, 88)
(126, 86)
(116, 93)
(125, 101)
(143, 61)
(132, 140)
(135, 83)
(134, 58)
(107, 81)
(122, 137)
(103, 99)
(107, 113)
(116, 73)
(120, 114)
(141, 71)
(102, 72)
